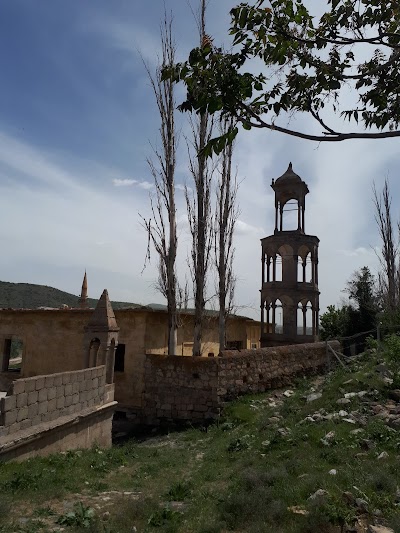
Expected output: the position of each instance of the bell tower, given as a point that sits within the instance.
(289, 289)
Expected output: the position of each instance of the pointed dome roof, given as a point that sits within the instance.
(84, 287)
(103, 318)
(289, 176)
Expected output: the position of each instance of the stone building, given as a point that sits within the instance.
(289, 290)
(64, 406)
(65, 340)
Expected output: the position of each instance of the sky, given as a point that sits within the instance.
(77, 124)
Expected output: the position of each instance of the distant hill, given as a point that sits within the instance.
(29, 296)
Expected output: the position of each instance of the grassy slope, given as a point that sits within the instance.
(29, 296)
(242, 474)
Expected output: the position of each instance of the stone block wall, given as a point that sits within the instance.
(180, 388)
(194, 389)
(252, 371)
(42, 399)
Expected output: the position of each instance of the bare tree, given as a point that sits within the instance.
(199, 205)
(388, 279)
(161, 234)
(226, 214)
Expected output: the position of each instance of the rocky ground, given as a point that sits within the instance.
(320, 456)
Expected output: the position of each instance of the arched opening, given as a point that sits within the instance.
(300, 320)
(277, 269)
(267, 326)
(277, 318)
(308, 319)
(93, 351)
(300, 269)
(290, 215)
(304, 264)
(308, 276)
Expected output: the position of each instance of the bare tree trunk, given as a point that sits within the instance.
(199, 211)
(163, 236)
(388, 279)
(225, 219)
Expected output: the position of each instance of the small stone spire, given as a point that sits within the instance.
(83, 304)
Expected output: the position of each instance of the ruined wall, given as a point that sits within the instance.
(52, 339)
(37, 400)
(132, 333)
(57, 412)
(252, 371)
(180, 388)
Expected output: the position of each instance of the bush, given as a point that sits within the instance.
(392, 346)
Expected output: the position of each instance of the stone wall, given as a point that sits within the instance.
(252, 371)
(42, 399)
(180, 388)
(194, 389)
(53, 342)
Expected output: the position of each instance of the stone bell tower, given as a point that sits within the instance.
(289, 290)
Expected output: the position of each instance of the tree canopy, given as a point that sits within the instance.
(311, 59)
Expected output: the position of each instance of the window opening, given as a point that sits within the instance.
(119, 364)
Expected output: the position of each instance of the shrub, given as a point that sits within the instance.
(81, 516)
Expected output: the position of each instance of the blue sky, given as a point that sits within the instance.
(77, 121)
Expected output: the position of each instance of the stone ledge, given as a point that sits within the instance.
(33, 433)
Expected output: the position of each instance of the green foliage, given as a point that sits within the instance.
(392, 346)
(334, 322)
(179, 492)
(310, 58)
(163, 517)
(250, 473)
(356, 318)
(239, 444)
(81, 516)
(332, 512)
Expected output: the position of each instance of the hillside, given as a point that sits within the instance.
(30, 296)
(320, 457)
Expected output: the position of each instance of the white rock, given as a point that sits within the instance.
(314, 396)
(332, 472)
(379, 529)
(383, 455)
(319, 494)
(343, 401)
(356, 431)
(288, 393)
(343, 413)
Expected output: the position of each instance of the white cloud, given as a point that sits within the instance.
(242, 228)
(146, 185)
(123, 182)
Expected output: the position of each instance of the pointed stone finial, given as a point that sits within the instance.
(83, 304)
(103, 318)
(290, 166)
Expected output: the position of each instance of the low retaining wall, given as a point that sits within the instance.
(180, 388)
(60, 411)
(194, 389)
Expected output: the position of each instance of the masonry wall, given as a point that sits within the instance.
(53, 342)
(43, 399)
(180, 388)
(52, 339)
(252, 371)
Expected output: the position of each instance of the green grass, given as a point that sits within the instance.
(241, 474)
